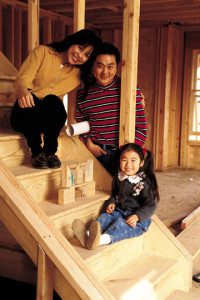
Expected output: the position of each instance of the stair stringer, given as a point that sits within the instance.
(33, 230)
(160, 241)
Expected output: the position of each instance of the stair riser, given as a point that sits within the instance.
(14, 152)
(43, 187)
(113, 257)
(87, 214)
(167, 285)
(5, 117)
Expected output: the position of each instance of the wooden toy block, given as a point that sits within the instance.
(88, 189)
(66, 176)
(88, 170)
(66, 195)
(76, 175)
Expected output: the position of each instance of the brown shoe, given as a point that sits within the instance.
(80, 232)
(94, 235)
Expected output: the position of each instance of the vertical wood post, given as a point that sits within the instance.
(79, 15)
(47, 30)
(1, 29)
(45, 276)
(33, 24)
(129, 70)
(18, 38)
(10, 33)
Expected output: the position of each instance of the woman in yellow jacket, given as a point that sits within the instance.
(46, 75)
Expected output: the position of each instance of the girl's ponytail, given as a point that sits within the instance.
(150, 172)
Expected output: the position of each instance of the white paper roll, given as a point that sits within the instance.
(78, 128)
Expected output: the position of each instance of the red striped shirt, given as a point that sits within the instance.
(101, 107)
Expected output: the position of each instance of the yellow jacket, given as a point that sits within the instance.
(43, 73)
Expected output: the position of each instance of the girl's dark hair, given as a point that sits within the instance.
(148, 166)
(85, 37)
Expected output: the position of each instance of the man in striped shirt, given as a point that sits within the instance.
(100, 106)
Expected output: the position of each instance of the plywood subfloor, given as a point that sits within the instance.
(180, 195)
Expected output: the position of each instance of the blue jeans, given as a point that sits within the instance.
(114, 225)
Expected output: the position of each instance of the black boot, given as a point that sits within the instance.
(53, 161)
(39, 161)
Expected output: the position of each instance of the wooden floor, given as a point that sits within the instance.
(180, 195)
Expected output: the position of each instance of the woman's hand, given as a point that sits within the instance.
(110, 208)
(25, 99)
(132, 220)
(94, 149)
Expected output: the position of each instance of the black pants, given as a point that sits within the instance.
(48, 116)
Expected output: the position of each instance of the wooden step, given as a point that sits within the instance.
(148, 276)
(40, 184)
(193, 294)
(190, 238)
(13, 148)
(85, 208)
(7, 94)
(5, 111)
(106, 260)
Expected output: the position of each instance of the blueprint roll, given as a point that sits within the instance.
(78, 128)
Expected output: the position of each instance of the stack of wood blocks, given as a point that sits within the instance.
(76, 175)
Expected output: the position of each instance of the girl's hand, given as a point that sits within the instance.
(132, 220)
(110, 208)
(25, 99)
(94, 149)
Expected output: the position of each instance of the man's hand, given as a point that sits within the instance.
(132, 220)
(110, 208)
(94, 149)
(143, 100)
(25, 99)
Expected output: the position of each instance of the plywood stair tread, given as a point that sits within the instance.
(90, 255)
(107, 259)
(149, 270)
(57, 213)
(190, 237)
(25, 171)
(180, 295)
(9, 135)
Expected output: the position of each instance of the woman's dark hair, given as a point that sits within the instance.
(148, 166)
(85, 37)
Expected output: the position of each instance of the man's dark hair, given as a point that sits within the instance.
(107, 48)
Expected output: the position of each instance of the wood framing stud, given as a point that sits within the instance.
(45, 276)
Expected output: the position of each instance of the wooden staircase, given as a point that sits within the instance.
(153, 264)
(43, 249)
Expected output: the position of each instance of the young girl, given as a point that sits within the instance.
(132, 202)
